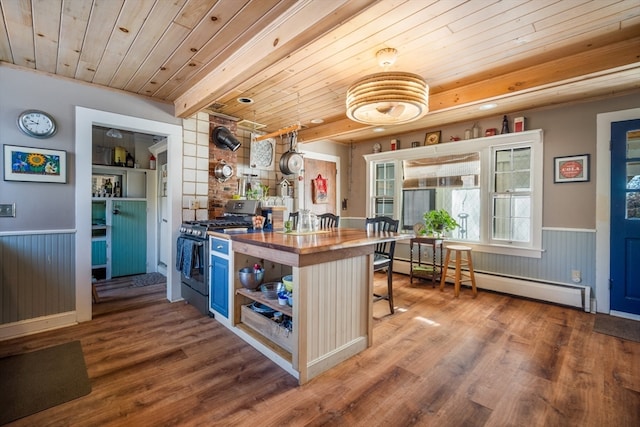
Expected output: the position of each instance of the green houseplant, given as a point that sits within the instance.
(438, 221)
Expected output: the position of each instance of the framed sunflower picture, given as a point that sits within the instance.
(34, 164)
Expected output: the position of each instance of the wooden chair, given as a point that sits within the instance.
(293, 217)
(328, 220)
(383, 254)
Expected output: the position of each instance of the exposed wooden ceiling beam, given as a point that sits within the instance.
(622, 53)
(302, 23)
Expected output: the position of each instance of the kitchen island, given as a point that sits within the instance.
(332, 296)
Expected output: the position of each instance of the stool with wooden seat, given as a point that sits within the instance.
(462, 259)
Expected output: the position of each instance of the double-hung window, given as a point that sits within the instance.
(511, 196)
(384, 189)
(491, 186)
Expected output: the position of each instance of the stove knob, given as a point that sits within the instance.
(182, 229)
(198, 232)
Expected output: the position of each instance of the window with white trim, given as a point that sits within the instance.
(384, 189)
(492, 187)
(511, 195)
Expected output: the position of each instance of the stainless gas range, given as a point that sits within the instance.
(193, 249)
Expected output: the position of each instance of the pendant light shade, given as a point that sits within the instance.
(390, 97)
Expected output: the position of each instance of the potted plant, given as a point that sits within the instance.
(439, 221)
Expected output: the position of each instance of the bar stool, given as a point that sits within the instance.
(459, 276)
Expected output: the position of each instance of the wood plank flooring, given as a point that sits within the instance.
(438, 361)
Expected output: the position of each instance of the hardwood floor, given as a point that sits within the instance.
(438, 361)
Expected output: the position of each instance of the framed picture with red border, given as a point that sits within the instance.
(571, 168)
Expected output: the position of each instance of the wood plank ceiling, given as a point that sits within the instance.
(296, 59)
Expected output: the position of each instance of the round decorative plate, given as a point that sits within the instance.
(418, 227)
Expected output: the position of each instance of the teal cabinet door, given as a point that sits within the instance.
(128, 238)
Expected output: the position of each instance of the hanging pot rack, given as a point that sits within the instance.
(280, 132)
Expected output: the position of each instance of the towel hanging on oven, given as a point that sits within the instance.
(188, 256)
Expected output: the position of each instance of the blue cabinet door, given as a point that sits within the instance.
(219, 285)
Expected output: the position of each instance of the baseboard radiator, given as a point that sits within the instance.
(565, 294)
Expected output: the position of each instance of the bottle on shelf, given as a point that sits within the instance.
(152, 162)
(505, 125)
(475, 130)
(108, 188)
(117, 190)
(130, 162)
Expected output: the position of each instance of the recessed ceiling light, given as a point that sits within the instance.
(245, 100)
(317, 121)
(488, 106)
(378, 129)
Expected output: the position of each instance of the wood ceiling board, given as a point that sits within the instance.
(262, 53)
(545, 53)
(604, 11)
(151, 33)
(153, 66)
(300, 75)
(543, 74)
(319, 28)
(46, 27)
(182, 62)
(102, 20)
(292, 65)
(331, 57)
(19, 25)
(128, 26)
(194, 11)
(541, 50)
(250, 20)
(73, 25)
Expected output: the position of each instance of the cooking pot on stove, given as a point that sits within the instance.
(291, 161)
(222, 171)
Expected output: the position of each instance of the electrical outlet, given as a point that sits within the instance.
(8, 210)
(576, 276)
(194, 204)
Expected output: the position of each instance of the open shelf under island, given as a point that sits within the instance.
(332, 296)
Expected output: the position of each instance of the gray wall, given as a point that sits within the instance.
(568, 130)
(51, 206)
(37, 250)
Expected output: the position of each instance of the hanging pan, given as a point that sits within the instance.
(291, 161)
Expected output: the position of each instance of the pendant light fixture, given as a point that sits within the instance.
(388, 98)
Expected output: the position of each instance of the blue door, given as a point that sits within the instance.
(128, 238)
(625, 216)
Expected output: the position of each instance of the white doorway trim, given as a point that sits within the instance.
(86, 118)
(603, 205)
(300, 187)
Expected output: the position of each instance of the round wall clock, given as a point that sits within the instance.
(37, 124)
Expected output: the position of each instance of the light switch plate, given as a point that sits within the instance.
(7, 210)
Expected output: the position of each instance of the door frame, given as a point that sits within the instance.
(603, 207)
(300, 187)
(85, 119)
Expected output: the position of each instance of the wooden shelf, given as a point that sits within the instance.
(258, 296)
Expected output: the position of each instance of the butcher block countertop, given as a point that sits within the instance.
(313, 243)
